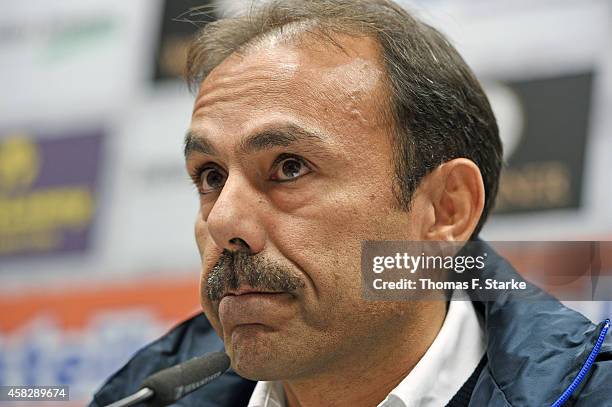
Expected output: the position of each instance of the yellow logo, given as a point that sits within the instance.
(19, 163)
(37, 218)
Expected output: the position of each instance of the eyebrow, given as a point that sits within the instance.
(282, 136)
(198, 144)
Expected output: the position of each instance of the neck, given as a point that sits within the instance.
(368, 376)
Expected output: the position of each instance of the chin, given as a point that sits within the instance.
(262, 366)
(257, 372)
(256, 357)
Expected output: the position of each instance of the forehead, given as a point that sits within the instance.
(337, 87)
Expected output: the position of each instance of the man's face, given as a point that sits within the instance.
(293, 158)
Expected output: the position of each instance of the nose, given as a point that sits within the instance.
(233, 222)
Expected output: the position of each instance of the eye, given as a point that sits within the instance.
(211, 179)
(289, 168)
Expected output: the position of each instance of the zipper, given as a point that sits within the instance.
(585, 368)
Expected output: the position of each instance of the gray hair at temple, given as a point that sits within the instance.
(439, 109)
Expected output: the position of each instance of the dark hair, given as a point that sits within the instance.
(439, 109)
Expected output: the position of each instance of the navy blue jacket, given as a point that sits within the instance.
(538, 353)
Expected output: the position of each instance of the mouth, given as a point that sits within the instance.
(249, 290)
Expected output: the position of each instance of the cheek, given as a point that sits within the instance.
(207, 307)
(325, 237)
(325, 241)
(209, 253)
(206, 245)
(200, 233)
(334, 225)
(209, 259)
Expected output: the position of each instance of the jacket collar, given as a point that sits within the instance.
(535, 346)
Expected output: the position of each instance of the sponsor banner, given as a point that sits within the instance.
(48, 189)
(544, 124)
(77, 337)
(426, 270)
(178, 24)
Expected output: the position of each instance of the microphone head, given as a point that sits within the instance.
(175, 382)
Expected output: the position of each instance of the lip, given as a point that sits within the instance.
(252, 307)
(248, 290)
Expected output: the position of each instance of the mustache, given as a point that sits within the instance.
(237, 268)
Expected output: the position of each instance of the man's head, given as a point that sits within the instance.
(318, 125)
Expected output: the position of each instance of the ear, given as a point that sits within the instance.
(456, 194)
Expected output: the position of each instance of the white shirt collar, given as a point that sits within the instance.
(443, 369)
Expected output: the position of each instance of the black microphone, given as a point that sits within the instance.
(168, 385)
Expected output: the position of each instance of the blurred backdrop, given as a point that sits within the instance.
(97, 255)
